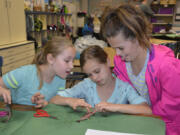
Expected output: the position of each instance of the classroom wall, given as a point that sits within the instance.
(84, 5)
(98, 5)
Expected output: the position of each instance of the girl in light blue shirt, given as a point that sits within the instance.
(25, 85)
(102, 90)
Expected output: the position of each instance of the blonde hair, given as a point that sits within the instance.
(54, 47)
(128, 20)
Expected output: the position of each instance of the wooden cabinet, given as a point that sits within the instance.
(12, 24)
(17, 55)
(14, 48)
(4, 25)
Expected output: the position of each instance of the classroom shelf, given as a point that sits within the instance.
(45, 13)
(164, 15)
(46, 20)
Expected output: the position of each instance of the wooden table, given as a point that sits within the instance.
(23, 123)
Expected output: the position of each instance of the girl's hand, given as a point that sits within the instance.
(74, 103)
(39, 100)
(6, 94)
(105, 107)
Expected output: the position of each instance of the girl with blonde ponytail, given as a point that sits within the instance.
(45, 76)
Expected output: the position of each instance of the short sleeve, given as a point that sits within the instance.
(77, 91)
(13, 79)
(133, 96)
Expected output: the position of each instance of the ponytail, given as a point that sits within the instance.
(40, 57)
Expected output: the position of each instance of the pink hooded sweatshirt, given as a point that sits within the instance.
(163, 82)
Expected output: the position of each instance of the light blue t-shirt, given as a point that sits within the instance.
(24, 82)
(86, 89)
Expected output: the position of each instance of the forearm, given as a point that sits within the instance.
(5, 93)
(59, 100)
(72, 102)
(3, 89)
(133, 109)
(2, 85)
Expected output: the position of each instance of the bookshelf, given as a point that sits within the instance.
(163, 14)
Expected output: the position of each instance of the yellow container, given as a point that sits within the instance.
(172, 2)
(164, 2)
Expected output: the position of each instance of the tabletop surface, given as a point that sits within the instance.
(23, 123)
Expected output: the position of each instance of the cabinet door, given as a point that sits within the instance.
(4, 23)
(17, 20)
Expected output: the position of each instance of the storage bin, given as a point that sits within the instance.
(157, 29)
(153, 20)
(165, 10)
(172, 2)
(164, 2)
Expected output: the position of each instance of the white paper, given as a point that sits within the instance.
(100, 132)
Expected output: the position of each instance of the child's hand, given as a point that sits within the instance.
(105, 107)
(74, 103)
(39, 100)
(6, 94)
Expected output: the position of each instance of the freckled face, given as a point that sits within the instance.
(98, 72)
(126, 48)
(63, 63)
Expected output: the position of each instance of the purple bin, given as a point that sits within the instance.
(153, 20)
(165, 11)
(156, 29)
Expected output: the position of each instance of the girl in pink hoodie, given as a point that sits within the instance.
(151, 69)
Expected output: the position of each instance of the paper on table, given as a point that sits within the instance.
(100, 132)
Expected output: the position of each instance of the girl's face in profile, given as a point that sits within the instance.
(97, 72)
(126, 48)
(63, 63)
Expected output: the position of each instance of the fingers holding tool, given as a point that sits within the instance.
(74, 103)
(6, 94)
(39, 100)
(87, 115)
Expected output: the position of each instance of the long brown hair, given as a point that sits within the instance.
(128, 20)
(93, 52)
(54, 47)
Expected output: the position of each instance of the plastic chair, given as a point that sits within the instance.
(175, 46)
(74, 78)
